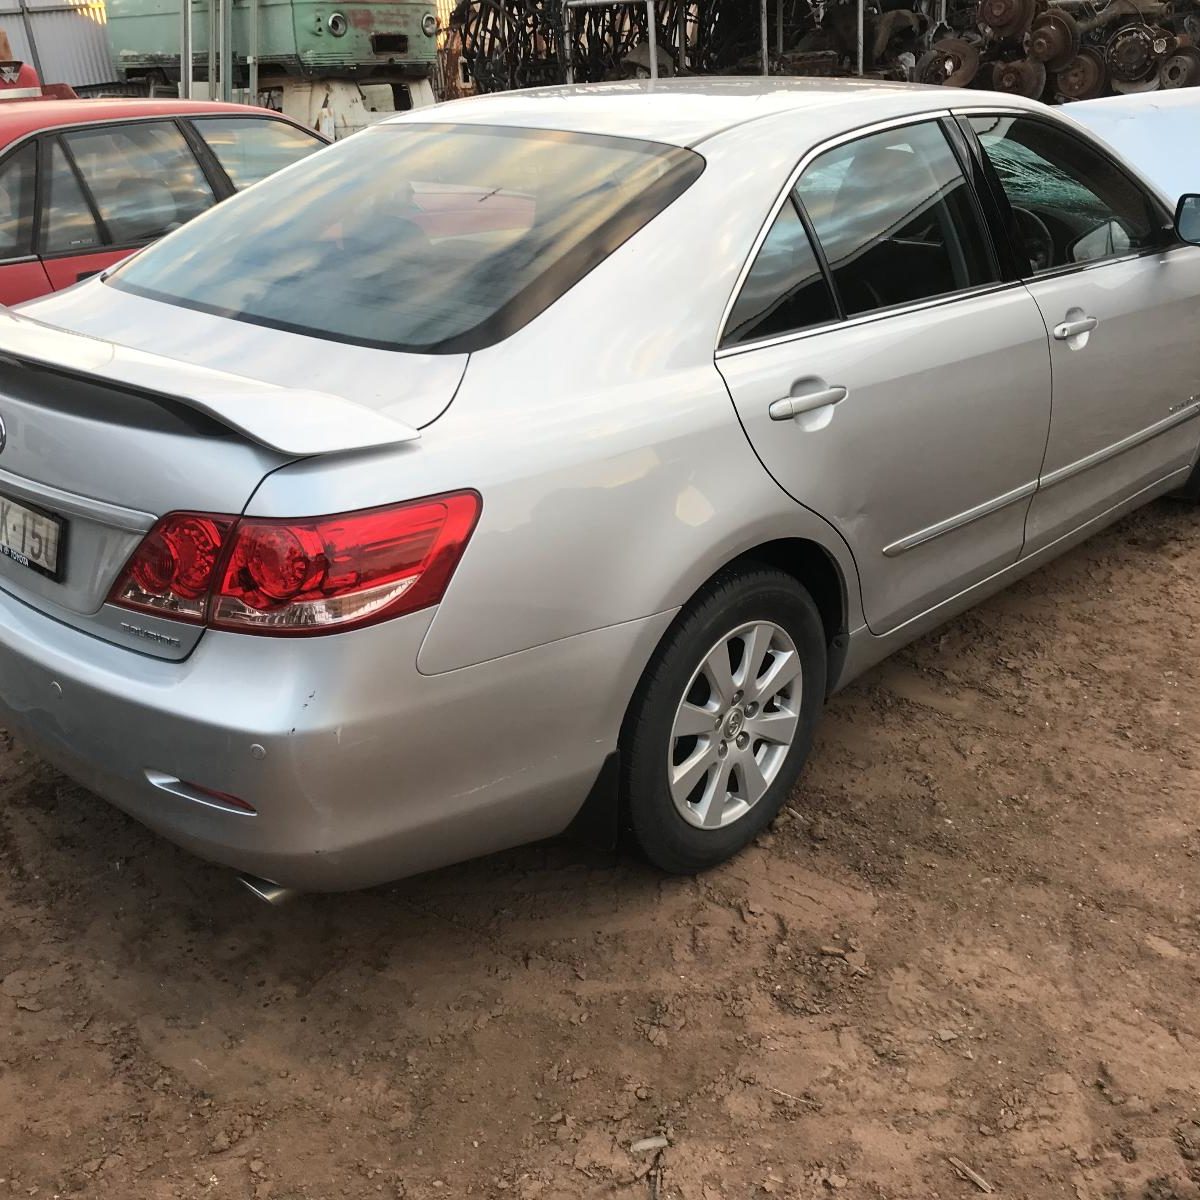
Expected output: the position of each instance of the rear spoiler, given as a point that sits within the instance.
(293, 421)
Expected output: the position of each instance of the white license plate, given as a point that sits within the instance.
(31, 537)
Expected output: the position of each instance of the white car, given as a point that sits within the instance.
(1153, 131)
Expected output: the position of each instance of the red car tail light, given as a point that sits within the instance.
(307, 576)
(172, 569)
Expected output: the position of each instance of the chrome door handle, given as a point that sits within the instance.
(1070, 329)
(793, 406)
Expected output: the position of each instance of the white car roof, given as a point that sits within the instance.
(1153, 131)
(684, 112)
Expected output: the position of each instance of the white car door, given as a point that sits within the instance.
(1118, 293)
(885, 376)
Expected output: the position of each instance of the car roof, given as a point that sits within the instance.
(19, 118)
(684, 112)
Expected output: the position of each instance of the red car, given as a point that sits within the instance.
(83, 183)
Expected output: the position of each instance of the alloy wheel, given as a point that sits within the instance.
(734, 725)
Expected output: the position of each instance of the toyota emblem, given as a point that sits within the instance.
(3, 436)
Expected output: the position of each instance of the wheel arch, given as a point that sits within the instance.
(813, 567)
(816, 567)
(817, 571)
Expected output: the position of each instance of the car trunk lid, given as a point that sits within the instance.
(103, 439)
(413, 388)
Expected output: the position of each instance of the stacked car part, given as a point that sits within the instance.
(1056, 50)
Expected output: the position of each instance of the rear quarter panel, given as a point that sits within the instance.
(614, 473)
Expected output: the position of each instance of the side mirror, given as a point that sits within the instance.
(1187, 219)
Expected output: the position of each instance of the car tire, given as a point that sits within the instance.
(709, 755)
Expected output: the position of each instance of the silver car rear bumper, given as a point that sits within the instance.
(358, 772)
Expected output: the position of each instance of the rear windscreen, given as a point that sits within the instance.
(427, 238)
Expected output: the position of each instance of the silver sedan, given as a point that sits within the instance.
(540, 463)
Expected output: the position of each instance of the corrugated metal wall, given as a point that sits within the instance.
(69, 43)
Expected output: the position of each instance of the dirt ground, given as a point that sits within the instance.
(975, 935)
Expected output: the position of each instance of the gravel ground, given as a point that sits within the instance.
(975, 935)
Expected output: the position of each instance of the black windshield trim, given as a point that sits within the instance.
(685, 167)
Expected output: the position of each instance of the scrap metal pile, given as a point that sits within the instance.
(1054, 49)
(1070, 49)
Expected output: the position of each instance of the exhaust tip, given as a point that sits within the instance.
(264, 889)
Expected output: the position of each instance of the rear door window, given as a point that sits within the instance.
(251, 148)
(18, 174)
(785, 290)
(68, 219)
(143, 178)
(896, 219)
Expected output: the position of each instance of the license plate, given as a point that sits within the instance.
(32, 537)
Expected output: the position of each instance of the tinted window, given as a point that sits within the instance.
(68, 226)
(439, 238)
(1070, 203)
(251, 148)
(785, 289)
(17, 175)
(144, 178)
(895, 218)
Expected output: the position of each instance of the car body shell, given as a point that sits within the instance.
(616, 477)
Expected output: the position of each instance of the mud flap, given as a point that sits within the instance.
(596, 824)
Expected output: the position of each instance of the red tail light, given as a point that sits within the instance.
(171, 571)
(315, 575)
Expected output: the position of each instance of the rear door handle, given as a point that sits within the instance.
(1070, 329)
(793, 406)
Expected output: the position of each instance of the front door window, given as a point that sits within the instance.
(1069, 203)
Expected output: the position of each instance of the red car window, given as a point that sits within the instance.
(143, 177)
(251, 148)
(17, 182)
(68, 226)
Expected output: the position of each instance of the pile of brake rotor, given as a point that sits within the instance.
(1054, 50)
(1069, 49)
